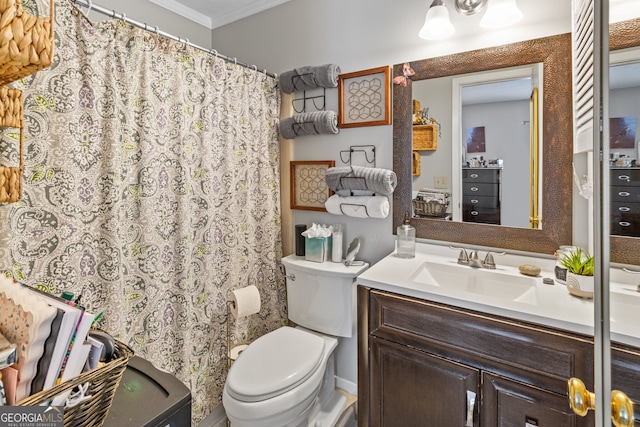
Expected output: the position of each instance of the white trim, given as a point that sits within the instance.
(347, 386)
(184, 11)
(214, 21)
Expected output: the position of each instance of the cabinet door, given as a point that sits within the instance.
(412, 388)
(508, 403)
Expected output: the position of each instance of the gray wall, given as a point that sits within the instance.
(358, 35)
(147, 12)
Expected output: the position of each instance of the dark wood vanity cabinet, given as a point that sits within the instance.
(418, 362)
(481, 195)
(625, 201)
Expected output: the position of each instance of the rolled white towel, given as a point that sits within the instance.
(358, 206)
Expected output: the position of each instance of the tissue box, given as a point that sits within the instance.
(317, 249)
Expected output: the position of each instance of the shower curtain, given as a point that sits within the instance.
(151, 189)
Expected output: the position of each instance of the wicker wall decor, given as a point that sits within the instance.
(425, 137)
(26, 41)
(11, 116)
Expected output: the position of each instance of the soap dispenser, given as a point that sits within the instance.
(406, 239)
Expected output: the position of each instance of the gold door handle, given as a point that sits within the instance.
(621, 409)
(581, 400)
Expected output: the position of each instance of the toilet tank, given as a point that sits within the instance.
(321, 296)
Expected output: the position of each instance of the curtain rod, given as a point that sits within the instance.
(154, 29)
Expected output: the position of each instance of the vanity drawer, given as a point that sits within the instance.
(481, 175)
(480, 189)
(625, 194)
(528, 353)
(625, 177)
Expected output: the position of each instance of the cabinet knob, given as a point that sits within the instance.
(621, 409)
(582, 400)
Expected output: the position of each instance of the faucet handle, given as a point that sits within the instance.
(489, 262)
(633, 272)
(463, 257)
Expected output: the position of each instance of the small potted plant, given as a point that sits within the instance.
(579, 265)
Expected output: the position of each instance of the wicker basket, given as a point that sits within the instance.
(431, 208)
(26, 42)
(103, 383)
(11, 116)
(425, 137)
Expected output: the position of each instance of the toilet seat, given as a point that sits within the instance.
(274, 364)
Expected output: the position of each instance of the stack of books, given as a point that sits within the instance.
(52, 345)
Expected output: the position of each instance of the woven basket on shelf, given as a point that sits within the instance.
(431, 208)
(11, 116)
(103, 383)
(425, 137)
(26, 41)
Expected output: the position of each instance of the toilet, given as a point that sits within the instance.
(286, 378)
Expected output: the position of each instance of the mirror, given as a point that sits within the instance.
(555, 55)
(625, 35)
(486, 167)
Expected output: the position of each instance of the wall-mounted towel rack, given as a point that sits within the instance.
(301, 107)
(365, 149)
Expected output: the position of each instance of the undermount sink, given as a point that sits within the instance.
(480, 281)
(624, 305)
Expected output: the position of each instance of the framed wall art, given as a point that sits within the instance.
(309, 189)
(364, 98)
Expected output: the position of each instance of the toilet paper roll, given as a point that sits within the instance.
(235, 351)
(246, 301)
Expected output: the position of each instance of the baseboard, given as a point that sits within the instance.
(348, 386)
(217, 418)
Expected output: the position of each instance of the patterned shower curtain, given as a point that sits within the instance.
(151, 188)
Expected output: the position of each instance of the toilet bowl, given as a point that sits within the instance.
(277, 380)
(286, 378)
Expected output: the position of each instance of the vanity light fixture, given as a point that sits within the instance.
(501, 13)
(437, 24)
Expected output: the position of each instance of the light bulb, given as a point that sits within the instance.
(501, 13)
(437, 24)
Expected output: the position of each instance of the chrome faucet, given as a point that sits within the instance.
(472, 260)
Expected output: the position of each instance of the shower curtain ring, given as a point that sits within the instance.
(123, 17)
(214, 52)
(90, 6)
(156, 29)
(235, 61)
(255, 68)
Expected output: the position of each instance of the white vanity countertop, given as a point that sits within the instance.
(543, 304)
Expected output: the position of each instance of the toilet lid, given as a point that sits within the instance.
(274, 364)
